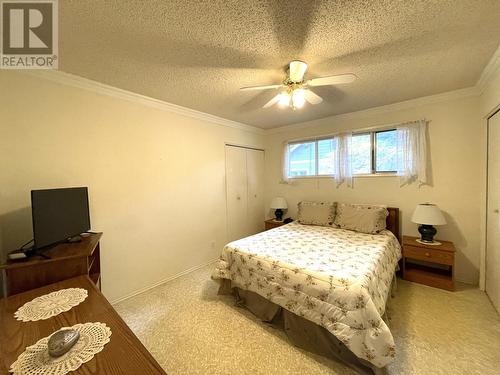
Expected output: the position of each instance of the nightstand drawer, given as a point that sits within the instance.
(430, 255)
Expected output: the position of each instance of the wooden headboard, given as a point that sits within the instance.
(392, 221)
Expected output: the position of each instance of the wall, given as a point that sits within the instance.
(155, 177)
(490, 96)
(455, 157)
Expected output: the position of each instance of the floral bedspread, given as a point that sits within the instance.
(336, 278)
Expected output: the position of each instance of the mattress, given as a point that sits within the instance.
(336, 278)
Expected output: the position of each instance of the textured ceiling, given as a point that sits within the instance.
(198, 53)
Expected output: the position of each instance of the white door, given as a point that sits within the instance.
(244, 192)
(493, 213)
(255, 177)
(236, 192)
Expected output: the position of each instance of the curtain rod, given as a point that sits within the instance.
(354, 131)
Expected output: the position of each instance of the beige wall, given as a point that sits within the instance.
(155, 178)
(455, 154)
(490, 97)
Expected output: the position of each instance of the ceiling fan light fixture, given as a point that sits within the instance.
(298, 98)
(295, 91)
(297, 70)
(284, 99)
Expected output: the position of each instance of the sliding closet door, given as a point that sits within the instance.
(255, 177)
(236, 192)
(493, 213)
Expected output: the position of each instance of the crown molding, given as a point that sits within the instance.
(407, 104)
(101, 88)
(104, 89)
(488, 72)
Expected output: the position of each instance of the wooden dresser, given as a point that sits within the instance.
(432, 265)
(124, 354)
(65, 261)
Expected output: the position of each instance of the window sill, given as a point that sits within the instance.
(376, 175)
(355, 176)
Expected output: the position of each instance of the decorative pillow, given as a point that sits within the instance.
(316, 213)
(362, 218)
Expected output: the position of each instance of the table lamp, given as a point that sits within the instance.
(279, 204)
(427, 215)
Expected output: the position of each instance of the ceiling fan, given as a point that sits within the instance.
(296, 91)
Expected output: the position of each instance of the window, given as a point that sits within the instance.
(361, 153)
(385, 151)
(326, 156)
(302, 158)
(371, 153)
(313, 158)
(374, 152)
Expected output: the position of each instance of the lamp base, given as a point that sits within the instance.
(433, 243)
(427, 232)
(279, 214)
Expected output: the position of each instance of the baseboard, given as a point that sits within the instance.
(163, 281)
(468, 282)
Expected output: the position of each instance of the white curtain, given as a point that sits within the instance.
(412, 152)
(342, 160)
(285, 162)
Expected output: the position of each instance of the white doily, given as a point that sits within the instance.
(35, 360)
(51, 304)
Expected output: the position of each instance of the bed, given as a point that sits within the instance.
(329, 286)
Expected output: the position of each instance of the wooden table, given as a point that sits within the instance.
(124, 354)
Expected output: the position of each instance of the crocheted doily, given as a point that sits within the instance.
(51, 304)
(35, 360)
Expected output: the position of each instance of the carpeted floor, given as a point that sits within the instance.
(189, 329)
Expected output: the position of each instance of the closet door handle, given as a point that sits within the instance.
(496, 211)
(238, 198)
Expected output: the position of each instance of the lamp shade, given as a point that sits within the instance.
(278, 203)
(429, 214)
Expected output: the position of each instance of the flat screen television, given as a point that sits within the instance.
(59, 214)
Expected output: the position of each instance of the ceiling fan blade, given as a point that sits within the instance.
(312, 98)
(297, 70)
(272, 102)
(250, 88)
(332, 80)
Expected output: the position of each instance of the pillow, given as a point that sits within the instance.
(316, 213)
(362, 218)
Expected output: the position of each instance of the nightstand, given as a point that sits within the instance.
(273, 223)
(432, 265)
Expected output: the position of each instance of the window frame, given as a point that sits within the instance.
(373, 155)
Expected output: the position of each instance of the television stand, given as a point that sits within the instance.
(58, 263)
(74, 239)
(36, 253)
